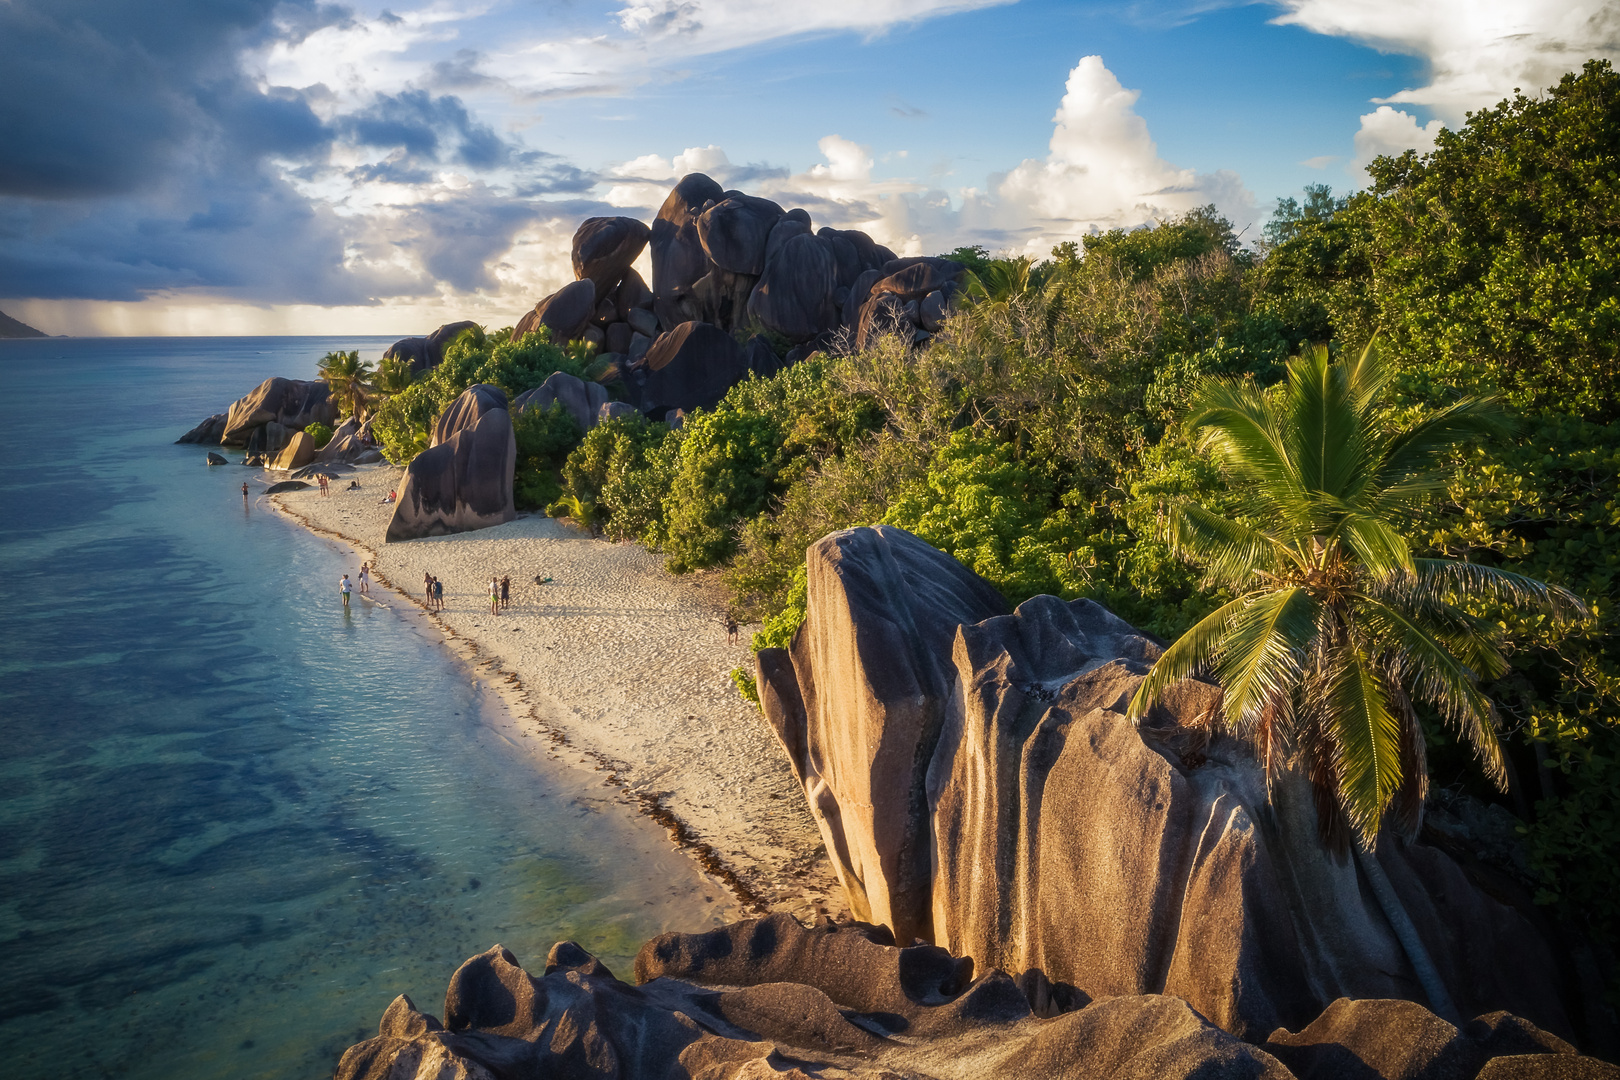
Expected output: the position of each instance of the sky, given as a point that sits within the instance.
(301, 167)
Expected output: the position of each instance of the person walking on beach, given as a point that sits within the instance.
(344, 587)
(731, 629)
(494, 596)
(438, 594)
(365, 579)
(506, 591)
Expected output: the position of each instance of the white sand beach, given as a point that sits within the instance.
(622, 665)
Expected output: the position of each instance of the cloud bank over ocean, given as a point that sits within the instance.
(296, 166)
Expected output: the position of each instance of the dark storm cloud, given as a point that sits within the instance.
(102, 96)
(140, 158)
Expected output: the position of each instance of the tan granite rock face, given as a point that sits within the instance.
(299, 451)
(982, 765)
(292, 403)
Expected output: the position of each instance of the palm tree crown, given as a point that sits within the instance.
(1337, 629)
(394, 374)
(346, 374)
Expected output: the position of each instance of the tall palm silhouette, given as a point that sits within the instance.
(346, 374)
(1338, 631)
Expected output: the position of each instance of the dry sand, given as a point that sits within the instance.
(623, 666)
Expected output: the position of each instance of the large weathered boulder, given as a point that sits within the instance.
(769, 998)
(299, 451)
(427, 352)
(795, 295)
(883, 315)
(604, 248)
(463, 481)
(914, 278)
(583, 400)
(690, 367)
(1087, 855)
(735, 230)
(722, 297)
(678, 258)
(350, 443)
(566, 313)
(859, 704)
(794, 223)
(631, 295)
(208, 432)
(291, 403)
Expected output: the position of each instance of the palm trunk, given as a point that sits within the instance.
(1428, 975)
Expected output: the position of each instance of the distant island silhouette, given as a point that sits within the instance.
(11, 328)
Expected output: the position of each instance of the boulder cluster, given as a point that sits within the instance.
(724, 264)
(768, 998)
(979, 786)
(268, 425)
(463, 480)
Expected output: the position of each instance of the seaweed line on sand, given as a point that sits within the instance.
(517, 699)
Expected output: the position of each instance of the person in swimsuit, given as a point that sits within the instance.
(494, 596)
(427, 588)
(244, 491)
(344, 587)
(365, 580)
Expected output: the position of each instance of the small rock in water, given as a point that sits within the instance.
(215, 459)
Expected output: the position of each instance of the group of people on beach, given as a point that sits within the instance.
(433, 592)
(346, 586)
(500, 594)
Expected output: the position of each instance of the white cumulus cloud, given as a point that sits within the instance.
(1387, 130)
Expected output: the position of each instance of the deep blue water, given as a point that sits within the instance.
(236, 820)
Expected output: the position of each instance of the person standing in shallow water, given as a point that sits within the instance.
(244, 491)
(365, 579)
(344, 587)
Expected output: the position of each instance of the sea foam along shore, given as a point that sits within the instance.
(624, 666)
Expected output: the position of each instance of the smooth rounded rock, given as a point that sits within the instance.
(735, 230)
(678, 258)
(604, 248)
(691, 367)
(794, 297)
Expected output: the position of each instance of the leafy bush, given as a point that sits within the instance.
(319, 432)
(544, 438)
(404, 423)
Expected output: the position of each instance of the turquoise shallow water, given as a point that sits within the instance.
(235, 820)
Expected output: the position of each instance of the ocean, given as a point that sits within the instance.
(235, 819)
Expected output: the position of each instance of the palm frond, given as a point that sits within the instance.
(1417, 450)
(1263, 654)
(1366, 736)
(1451, 580)
(1378, 544)
(1192, 652)
(1229, 551)
(1367, 376)
(1235, 422)
(1441, 680)
(1326, 435)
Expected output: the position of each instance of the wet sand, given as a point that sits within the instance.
(622, 666)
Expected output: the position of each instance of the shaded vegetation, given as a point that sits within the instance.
(1040, 439)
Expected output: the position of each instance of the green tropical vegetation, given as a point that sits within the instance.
(1097, 424)
(1056, 433)
(1337, 633)
(346, 374)
(320, 433)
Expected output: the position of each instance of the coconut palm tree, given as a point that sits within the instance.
(1338, 631)
(346, 374)
(394, 374)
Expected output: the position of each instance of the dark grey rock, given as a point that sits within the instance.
(914, 278)
(604, 248)
(566, 312)
(859, 293)
(678, 258)
(618, 337)
(761, 358)
(286, 485)
(849, 259)
(615, 410)
(605, 313)
(735, 230)
(639, 344)
(691, 367)
(643, 321)
(208, 432)
(216, 459)
(631, 294)
(794, 297)
(427, 352)
(464, 480)
(582, 399)
(882, 315)
(785, 230)
(933, 311)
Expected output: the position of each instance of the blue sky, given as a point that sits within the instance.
(294, 166)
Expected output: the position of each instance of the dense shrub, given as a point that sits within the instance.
(319, 432)
(544, 438)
